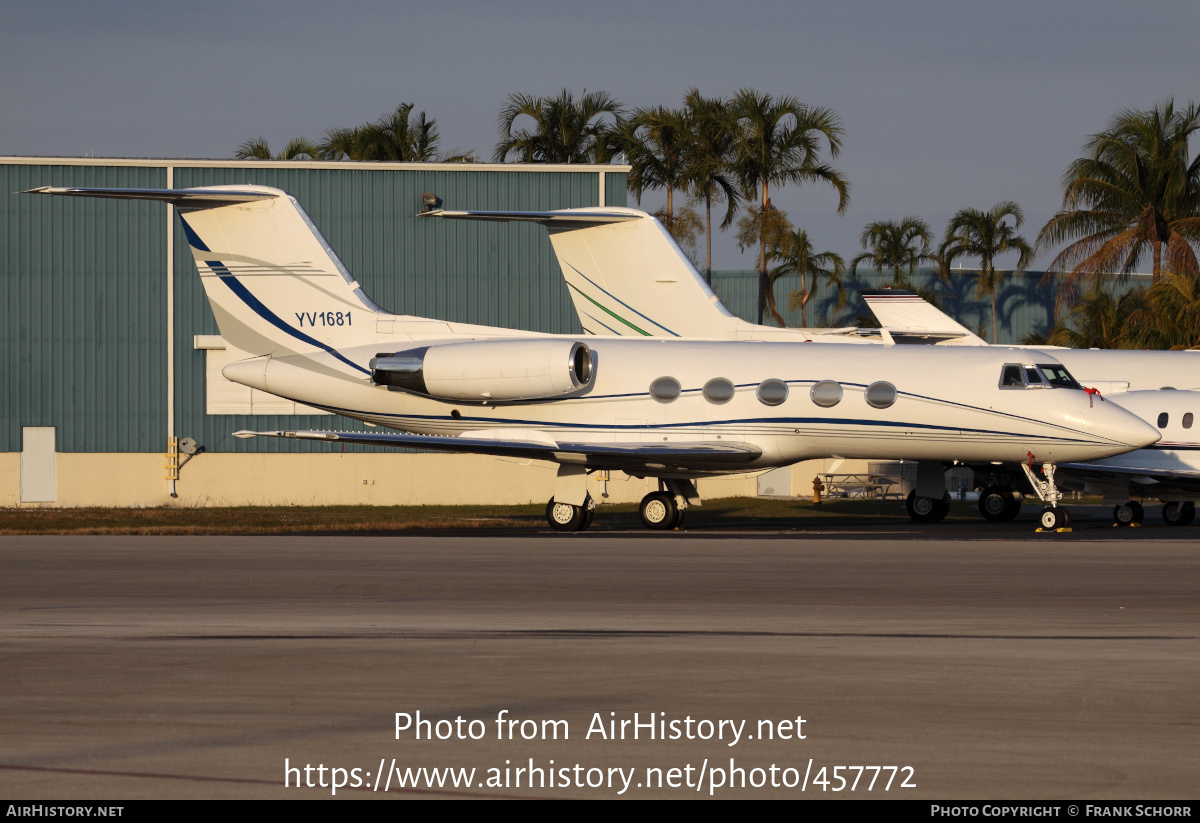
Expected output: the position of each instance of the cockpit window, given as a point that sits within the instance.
(1058, 376)
(1040, 376)
(1011, 377)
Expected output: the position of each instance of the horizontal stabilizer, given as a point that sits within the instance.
(931, 337)
(903, 312)
(636, 456)
(185, 198)
(566, 219)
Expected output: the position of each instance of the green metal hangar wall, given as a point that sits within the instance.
(111, 350)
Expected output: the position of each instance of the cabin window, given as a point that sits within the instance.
(665, 389)
(1162, 420)
(718, 391)
(772, 392)
(1187, 420)
(880, 395)
(826, 393)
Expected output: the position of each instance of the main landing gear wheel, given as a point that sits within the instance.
(998, 503)
(927, 509)
(563, 517)
(1055, 518)
(1176, 513)
(659, 511)
(1128, 514)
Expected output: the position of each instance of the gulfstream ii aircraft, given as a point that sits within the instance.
(627, 277)
(675, 410)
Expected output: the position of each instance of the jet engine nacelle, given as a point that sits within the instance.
(489, 371)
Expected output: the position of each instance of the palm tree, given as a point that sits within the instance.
(708, 168)
(796, 255)
(399, 137)
(564, 131)
(779, 140)
(900, 246)
(1168, 317)
(1099, 320)
(655, 143)
(985, 234)
(256, 148)
(1135, 192)
(338, 144)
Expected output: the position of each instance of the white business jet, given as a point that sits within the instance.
(1156, 386)
(628, 277)
(671, 409)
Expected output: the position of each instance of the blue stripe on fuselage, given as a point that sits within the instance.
(789, 421)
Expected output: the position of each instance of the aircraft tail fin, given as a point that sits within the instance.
(903, 312)
(625, 273)
(274, 284)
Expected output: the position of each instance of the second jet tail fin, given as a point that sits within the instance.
(626, 275)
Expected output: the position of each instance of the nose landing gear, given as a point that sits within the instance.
(1054, 518)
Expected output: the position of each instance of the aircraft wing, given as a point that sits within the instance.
(700, 456)
(1179, 480)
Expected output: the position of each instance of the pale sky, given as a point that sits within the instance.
(945, 104)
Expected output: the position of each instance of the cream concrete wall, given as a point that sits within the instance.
(323, 479)
(10, 478)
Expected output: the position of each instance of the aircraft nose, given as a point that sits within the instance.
(1116, 423)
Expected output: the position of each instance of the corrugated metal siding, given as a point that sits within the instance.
(615, 192)
(493, 274)
(84, 289)
(1024, 305)
(85, 286)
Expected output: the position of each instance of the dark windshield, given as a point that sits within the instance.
(1058, 376)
